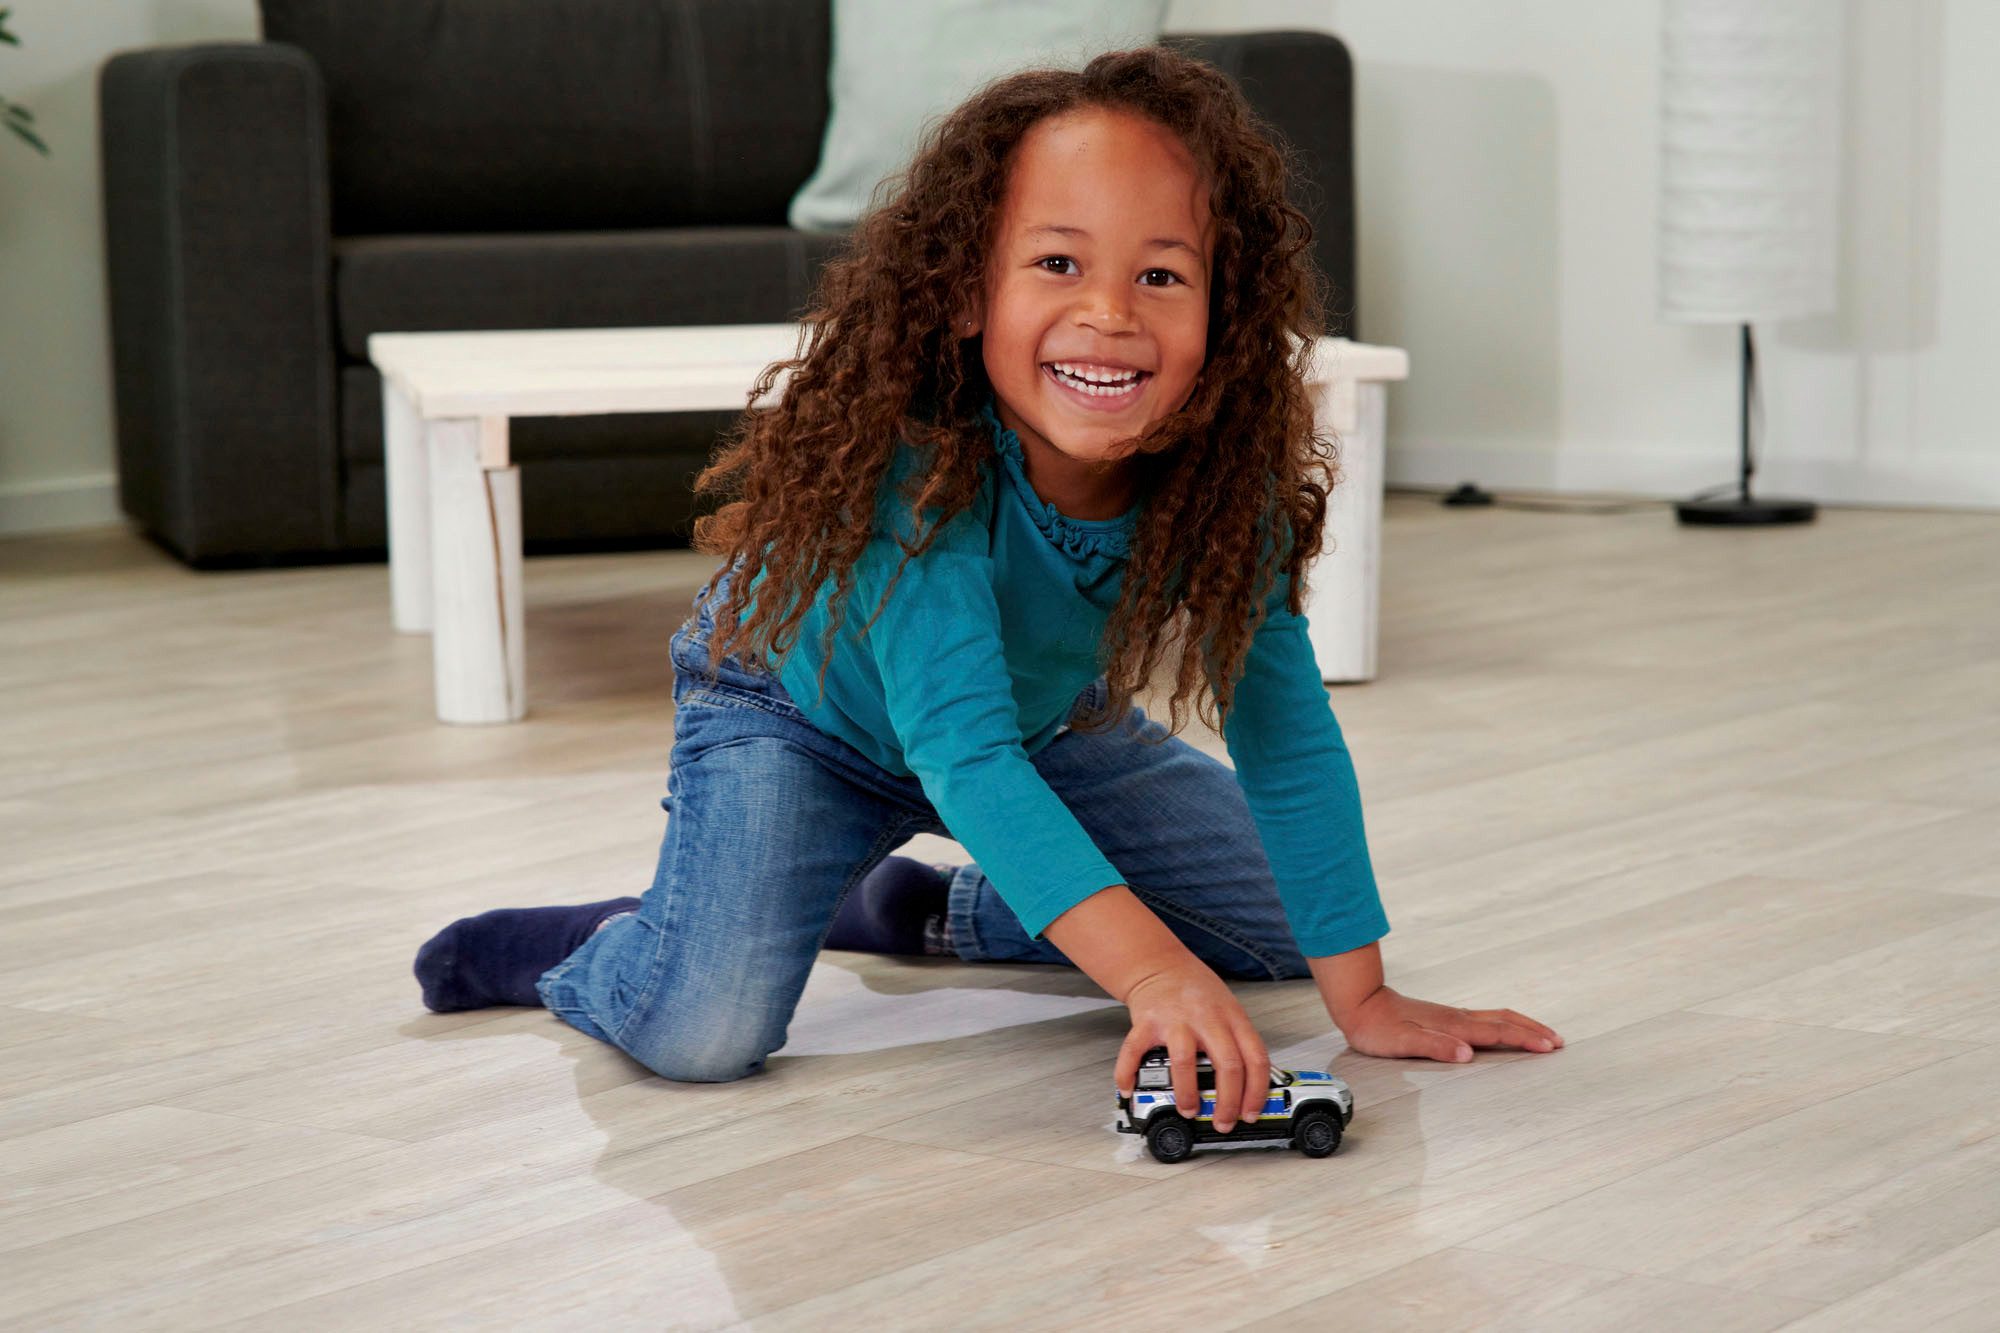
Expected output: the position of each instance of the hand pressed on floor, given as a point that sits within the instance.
(1387, 1022)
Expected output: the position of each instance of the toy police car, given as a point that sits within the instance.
(1307, 1109)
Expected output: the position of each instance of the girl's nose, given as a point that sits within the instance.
(1106, 314)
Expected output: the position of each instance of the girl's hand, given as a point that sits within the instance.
(1188, 1008)
(1389, 1023)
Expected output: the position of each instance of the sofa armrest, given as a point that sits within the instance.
(1302, 84)
(216, 236)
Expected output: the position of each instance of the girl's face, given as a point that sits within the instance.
(1100, 267)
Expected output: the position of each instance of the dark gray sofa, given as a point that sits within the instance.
(378, 165)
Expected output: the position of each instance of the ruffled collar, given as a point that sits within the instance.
(1076, 537)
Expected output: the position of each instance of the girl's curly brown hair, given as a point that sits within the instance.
(1238, 465)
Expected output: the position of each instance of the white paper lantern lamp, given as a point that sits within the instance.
(1749, 184)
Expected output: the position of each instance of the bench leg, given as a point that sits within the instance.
(409, 470)
(476, 561)
(1344, 586)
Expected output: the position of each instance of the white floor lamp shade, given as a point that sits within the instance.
(1749, 158)
(1749, 184)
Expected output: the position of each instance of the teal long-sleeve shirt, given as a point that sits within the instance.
(976, 661)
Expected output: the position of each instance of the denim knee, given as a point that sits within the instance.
(691, 1056)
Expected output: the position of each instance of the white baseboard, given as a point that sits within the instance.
(1962, 480)
(60, 504)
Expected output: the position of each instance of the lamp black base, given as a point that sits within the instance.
(1740, 512)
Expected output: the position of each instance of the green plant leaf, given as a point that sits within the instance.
(30, 136)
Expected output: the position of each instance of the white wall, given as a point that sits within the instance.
(1507, 161)
(1507, 154)
(57, 447)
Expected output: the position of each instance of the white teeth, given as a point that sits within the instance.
(1096, 381)
(1083, 370)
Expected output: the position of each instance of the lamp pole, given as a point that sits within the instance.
(1743, 510)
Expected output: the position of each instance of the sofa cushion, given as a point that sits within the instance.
(484, 115)
(572, 280)
(896, 65)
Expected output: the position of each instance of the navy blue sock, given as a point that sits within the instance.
(887, 912)
(496, 957)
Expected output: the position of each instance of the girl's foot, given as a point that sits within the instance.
(901, 907)
(498, 956)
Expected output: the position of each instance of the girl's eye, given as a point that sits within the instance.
(1065, 259)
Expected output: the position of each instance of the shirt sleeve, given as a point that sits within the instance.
(1295, 770)
(950, 701)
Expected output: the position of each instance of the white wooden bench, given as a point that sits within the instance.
(455, 495)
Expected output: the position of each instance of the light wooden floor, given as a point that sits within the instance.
(1722, 807)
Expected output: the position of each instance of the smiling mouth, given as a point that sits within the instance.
(1127, 385)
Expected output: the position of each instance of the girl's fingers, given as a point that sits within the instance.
(1520, 1020)
(1241, 1063)
(1240, 1082)
(1256, 1074)
(1126, 1072)
(1228, 1082)
(1180, 1060)
(1555, 1038)
(1488, 1027)
(1533, 1036)
(1437, 1045)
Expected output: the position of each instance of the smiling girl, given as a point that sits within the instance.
(1049, 432)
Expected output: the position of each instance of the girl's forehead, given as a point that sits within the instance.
(1090, 145)
(1095, 172)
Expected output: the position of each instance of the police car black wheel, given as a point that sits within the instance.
(1170, 1139)
(1316, 1134)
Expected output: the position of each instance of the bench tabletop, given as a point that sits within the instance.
(684, 368)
